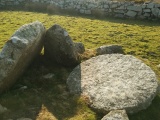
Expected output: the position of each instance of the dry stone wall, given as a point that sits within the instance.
(148, 10)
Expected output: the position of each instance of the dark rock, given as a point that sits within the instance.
(59, 47)
(80, 47)
(109, 49)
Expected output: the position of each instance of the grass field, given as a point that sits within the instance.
(50, 99)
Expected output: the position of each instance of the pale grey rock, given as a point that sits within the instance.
(17, 54)
(79, 47)
(122, 7)
(109, 49)
(146, 14)
(91, 5)
(106, 6)
(59, 47)
(131, 14)
(116, 115)
(155, 11)
(134, 8)
(48, 76)
(82, 11)
(114, 81)
(23, 88)
(157, 5)
(88, 12)
(2, 109)
(114, 5)
(151, 5)
(159, 14)
(146, 10)
(24, 119)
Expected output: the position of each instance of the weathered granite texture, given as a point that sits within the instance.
(114, 81)
(17, 54)
(109, 49)
(79, 47)
(116, 115)
(59, 47)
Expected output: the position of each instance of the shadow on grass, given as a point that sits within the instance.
(72, 13)
(143, 22)
(44, 98)
(151, 113)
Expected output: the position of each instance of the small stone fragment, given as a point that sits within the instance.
(2, 109)
(116, 115)
(109, 49)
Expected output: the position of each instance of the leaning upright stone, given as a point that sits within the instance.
(59, 47)
(18, 52)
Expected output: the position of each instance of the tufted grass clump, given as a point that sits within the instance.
(49, 98)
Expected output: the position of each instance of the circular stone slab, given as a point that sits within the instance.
(114, 81)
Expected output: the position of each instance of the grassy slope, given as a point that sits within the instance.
(49, 99)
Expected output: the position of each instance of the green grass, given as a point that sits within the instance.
(49, 99)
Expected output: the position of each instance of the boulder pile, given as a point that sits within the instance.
(27, 42)
(113, 83)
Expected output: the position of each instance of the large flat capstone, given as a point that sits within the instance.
(18, 52)
(114, 81)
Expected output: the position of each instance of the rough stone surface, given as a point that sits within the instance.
(80, 47)
(17, 54)
(24, 119)
(59, 46)
(131, 13)
(109, 49)
(2, 109)
(135, 8)
(116, 115)
(48, 76)
(114, 81)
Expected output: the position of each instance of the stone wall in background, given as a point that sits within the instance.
(148, 10)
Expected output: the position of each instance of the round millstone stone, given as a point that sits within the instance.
(114, 82)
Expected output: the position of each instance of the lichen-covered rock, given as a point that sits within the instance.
(17, 54)
(116, 115)
(59, 47)
(109, 49)
(79, 47)
(114, 81)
